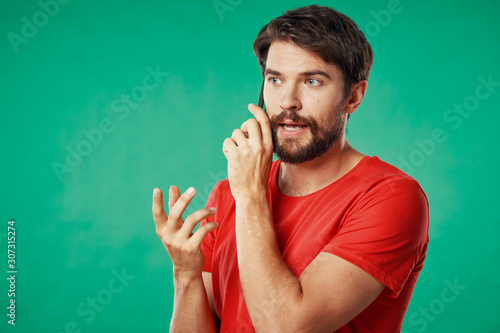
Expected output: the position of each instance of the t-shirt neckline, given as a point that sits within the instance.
(275, 188)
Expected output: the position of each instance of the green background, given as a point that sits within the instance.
(76, 231)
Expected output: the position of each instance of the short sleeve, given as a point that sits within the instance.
(386, 232)
(207, 244)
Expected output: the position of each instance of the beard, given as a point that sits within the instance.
(291, 151)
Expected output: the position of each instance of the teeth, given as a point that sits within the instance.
(293, 128)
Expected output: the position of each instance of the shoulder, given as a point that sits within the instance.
(386, 193)
(390, 211)
(377, 176)
(375, 167)
(394, 198)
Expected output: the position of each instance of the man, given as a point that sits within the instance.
(323, 239)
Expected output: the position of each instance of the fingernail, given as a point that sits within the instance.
(213, 209)
(156, 192)
(190, 191)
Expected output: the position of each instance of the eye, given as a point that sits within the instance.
(309, 81)
(274, 80)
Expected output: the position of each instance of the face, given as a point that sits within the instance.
(305, 102)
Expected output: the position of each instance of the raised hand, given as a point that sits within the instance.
(249, 153)
(182, 245)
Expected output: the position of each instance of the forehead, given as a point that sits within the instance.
(291, 58)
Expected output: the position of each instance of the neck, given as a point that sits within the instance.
(305, 178)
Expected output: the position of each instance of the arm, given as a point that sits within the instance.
(191, 305)
(330, 291)
(328, 294)
(207, 280)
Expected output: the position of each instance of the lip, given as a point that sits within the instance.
(296, 133)
(291, 123)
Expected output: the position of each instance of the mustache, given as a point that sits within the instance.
(296, 118)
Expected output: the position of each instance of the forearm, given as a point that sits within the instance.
(191, 308)
(272, 292)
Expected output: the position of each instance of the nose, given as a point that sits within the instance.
(290, 98)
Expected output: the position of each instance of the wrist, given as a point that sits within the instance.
(257, 198)
(183, 279)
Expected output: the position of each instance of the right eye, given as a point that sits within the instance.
(274, 80)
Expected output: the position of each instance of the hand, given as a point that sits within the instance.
(183, 246)
(249, 154)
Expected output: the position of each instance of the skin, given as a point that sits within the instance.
(184, 248)
(310, 98)
(330, 291)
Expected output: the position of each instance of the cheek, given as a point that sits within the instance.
(326, 112)
(322, 107)
(271, 103)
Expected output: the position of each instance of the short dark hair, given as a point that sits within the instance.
(328, 33)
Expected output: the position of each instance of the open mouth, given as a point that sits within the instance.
(290, 129)
(293, 127)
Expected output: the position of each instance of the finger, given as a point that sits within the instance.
(264, 122)
(180, 206)
(254, 131)
(228, 146)
(238, 137)
(159, 215)
(193, 219)
(244, 128)
(202, 231)
(173, 196)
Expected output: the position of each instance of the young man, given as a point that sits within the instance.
(324, 239)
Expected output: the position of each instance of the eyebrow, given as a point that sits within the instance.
(308, 73)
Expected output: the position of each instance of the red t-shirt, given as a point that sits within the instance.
(375, 217)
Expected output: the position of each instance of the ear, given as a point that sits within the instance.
(358, 90)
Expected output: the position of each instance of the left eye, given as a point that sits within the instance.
(313, 82)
